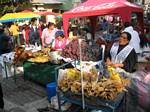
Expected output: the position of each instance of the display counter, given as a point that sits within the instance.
(42, 73)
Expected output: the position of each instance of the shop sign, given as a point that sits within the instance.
(97, 7)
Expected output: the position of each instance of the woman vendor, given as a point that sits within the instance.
(60, 41)
(121, 54)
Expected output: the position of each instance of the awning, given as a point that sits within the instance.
(11, 17)
(103, 7)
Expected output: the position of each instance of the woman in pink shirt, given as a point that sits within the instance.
(60, 41)
(48, 35)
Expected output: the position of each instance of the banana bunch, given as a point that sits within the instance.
(73, 73)
(113, 74)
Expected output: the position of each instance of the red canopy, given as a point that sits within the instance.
(103, 7)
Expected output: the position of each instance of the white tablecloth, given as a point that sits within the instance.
(7, 59)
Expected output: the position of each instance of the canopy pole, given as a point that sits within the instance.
(82, 86)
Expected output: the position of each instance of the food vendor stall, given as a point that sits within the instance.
(89, 84)
(37, 64)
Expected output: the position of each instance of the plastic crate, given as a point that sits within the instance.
(42, 73)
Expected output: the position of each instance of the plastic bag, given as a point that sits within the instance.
(139, 91)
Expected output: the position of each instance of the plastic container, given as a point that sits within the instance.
(51, 90)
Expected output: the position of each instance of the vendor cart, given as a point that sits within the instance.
(90, 102)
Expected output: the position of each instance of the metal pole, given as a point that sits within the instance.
(83, 101)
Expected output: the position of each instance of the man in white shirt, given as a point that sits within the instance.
(135, 39)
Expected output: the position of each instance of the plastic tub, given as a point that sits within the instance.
(51, 90)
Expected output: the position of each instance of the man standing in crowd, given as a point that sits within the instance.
(135, 39)
(34, 35)
(14, 30)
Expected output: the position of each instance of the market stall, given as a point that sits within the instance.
(38, 64)
(95, 8)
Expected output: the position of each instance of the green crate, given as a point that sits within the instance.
(42, 73)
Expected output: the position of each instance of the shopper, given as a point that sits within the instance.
(6, 44)
(14, 31)
(48, 35)
(122, 55)
(34, 34)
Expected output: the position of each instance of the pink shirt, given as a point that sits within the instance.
(59, 45)
(47, 36)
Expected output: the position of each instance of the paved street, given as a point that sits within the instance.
(23, 96)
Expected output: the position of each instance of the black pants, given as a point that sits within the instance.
(1, 98)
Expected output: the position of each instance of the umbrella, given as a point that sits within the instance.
(11, 17)
(43, 13)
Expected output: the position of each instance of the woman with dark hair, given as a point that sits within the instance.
(121, 54)
(48, 34)
(60, 41)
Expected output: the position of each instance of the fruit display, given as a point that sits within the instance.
(105, 88)
(89, 52)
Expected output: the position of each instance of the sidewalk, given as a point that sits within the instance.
(24, 96)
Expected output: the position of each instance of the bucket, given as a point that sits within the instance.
(51, 90)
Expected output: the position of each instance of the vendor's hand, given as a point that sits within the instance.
(117, 65)
(108, 62)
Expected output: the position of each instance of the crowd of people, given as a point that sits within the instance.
(39, 33)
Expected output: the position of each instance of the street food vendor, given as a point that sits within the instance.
(122, 55)
(60, 41)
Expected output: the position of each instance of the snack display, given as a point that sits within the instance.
(22, 55)
(107, 89)
(89, 53)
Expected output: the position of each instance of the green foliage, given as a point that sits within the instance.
(8, 6)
